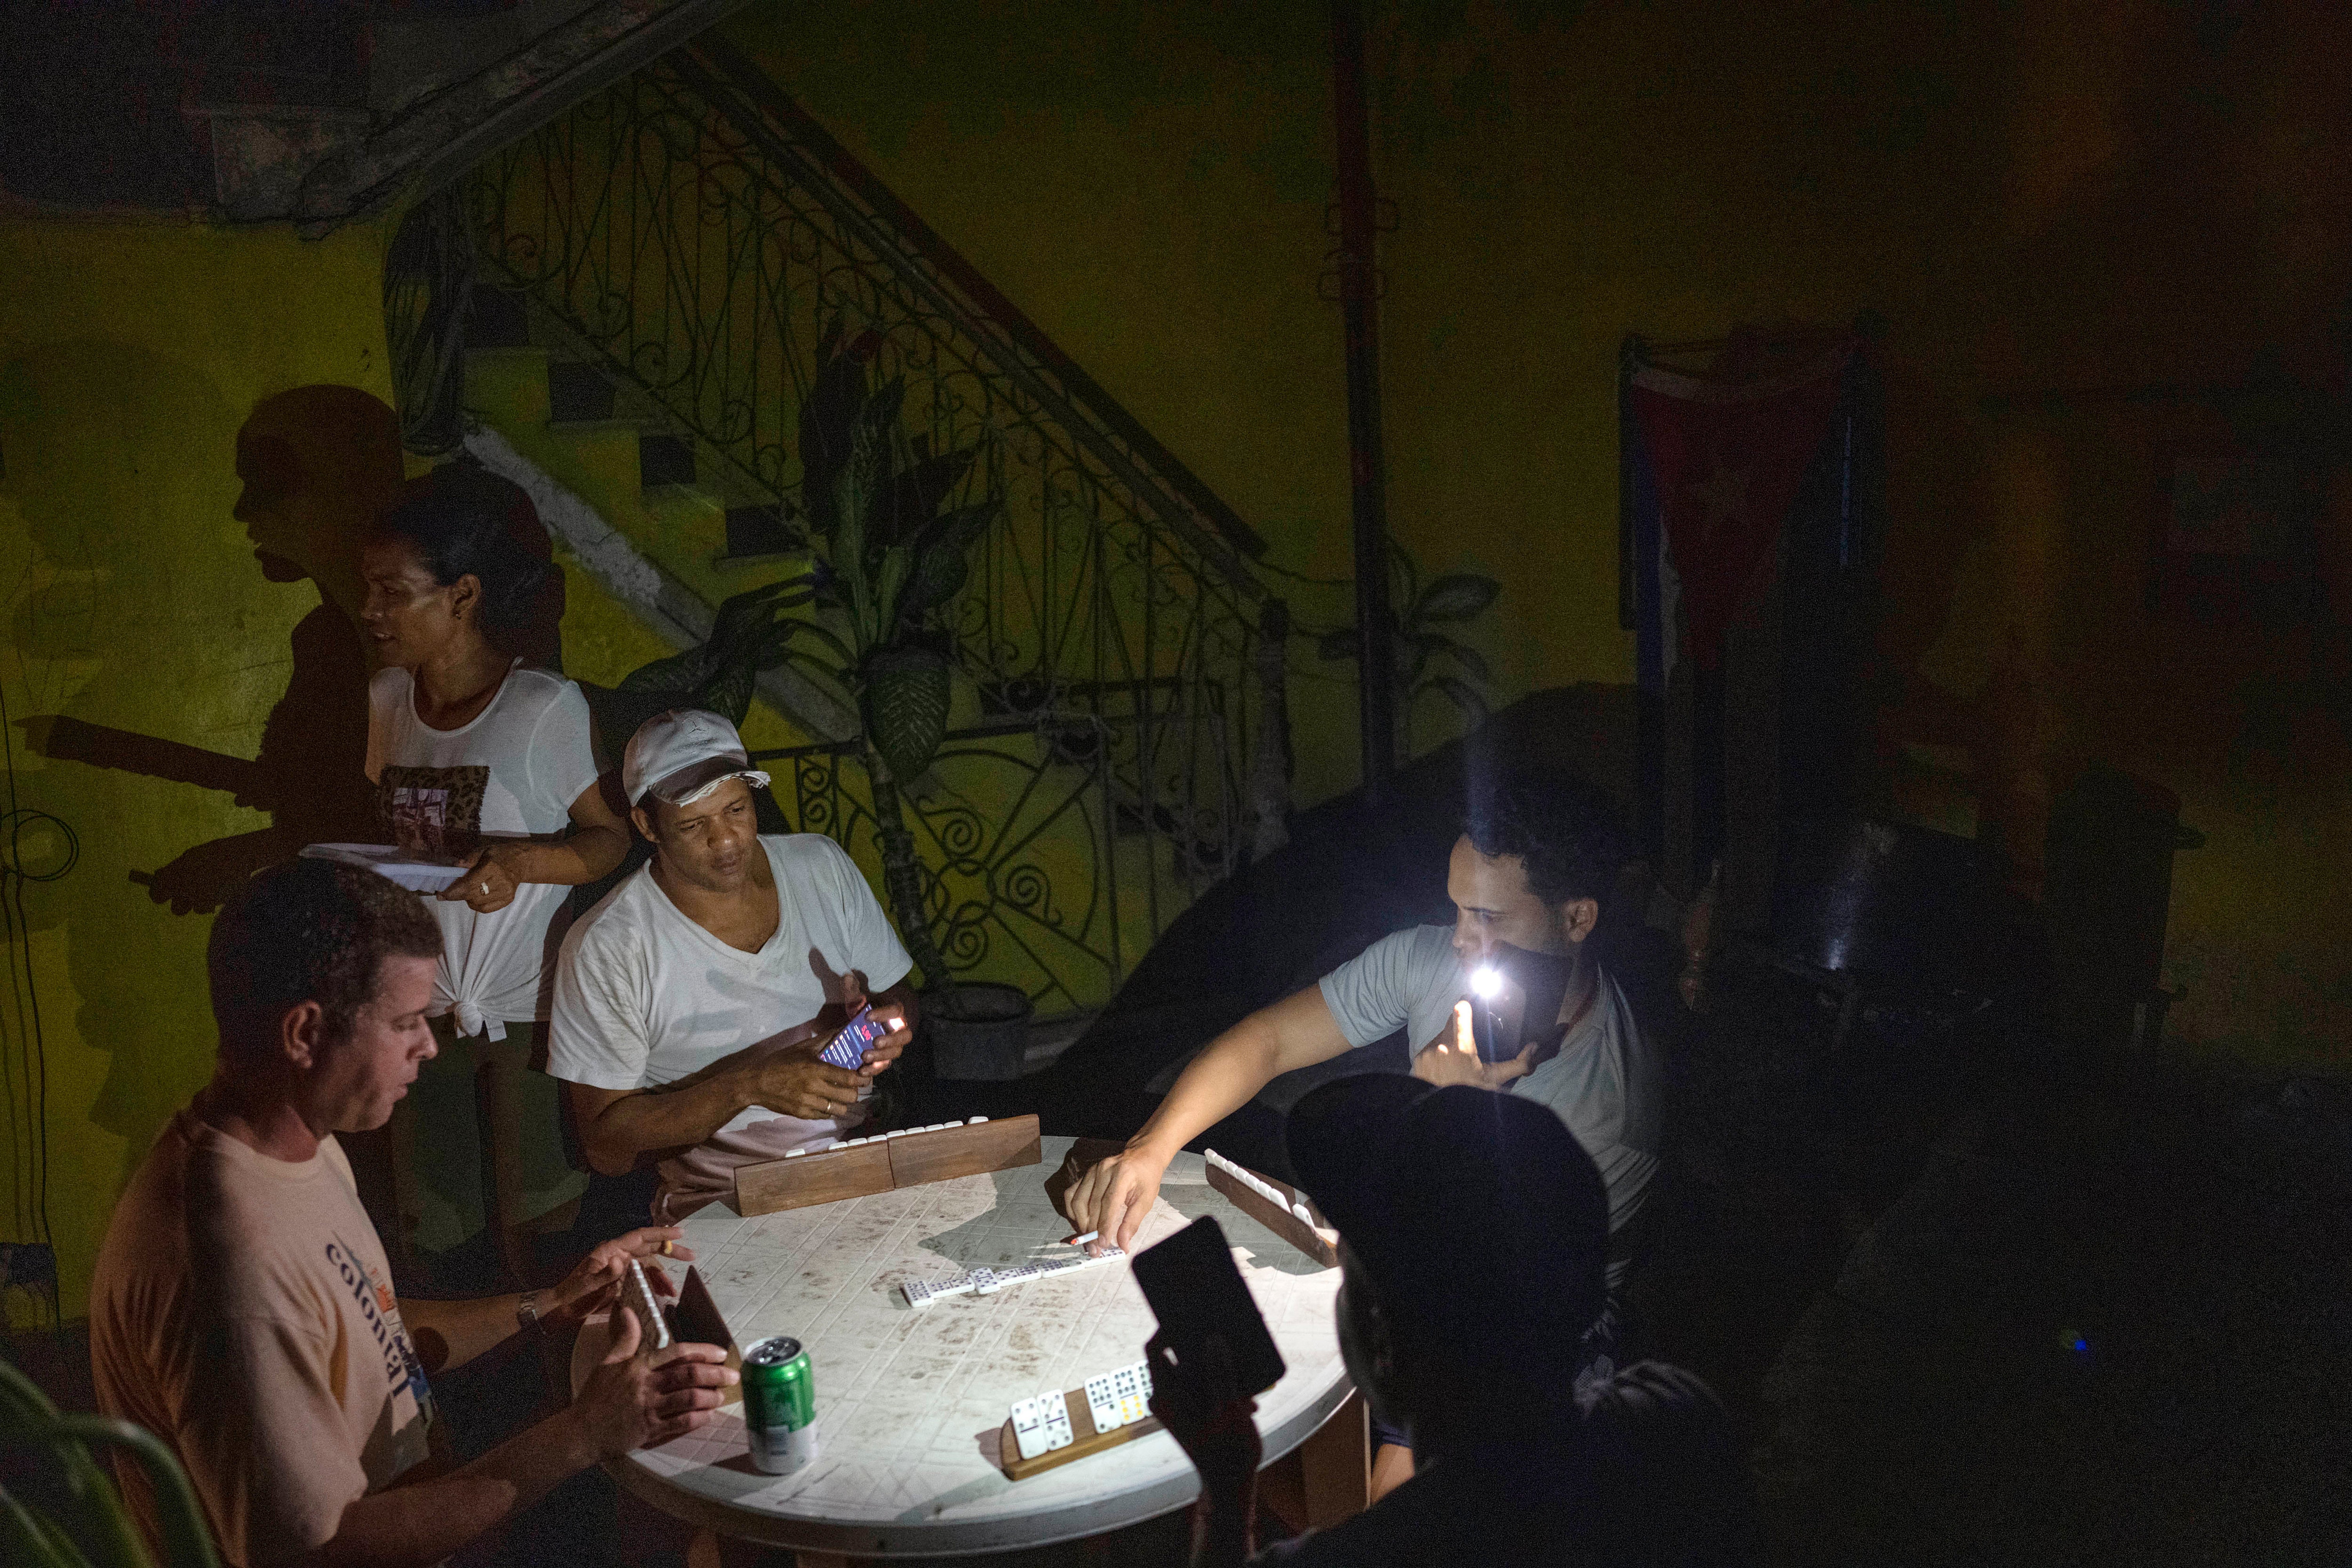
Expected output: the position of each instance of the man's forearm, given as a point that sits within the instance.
(451, 1333)
(578, 858)
(416, 1526)
(657, 1120)
(1224, 1077)
(1222, 1536)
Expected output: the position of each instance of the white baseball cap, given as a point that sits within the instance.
(684, 754)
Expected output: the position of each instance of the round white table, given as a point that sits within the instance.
(909, 1403)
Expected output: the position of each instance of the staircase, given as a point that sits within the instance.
(652, 273)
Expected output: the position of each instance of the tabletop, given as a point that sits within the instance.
(909, 1403)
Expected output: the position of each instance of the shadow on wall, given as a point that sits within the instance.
(130, 621)
(317, 465)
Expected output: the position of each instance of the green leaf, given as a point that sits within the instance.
(1437, 645)
(941, 564)
(1338, 644)
(897, 565)
(1460, 694)
(1457, 597)
(906, 704)
(829, 419)
(857, 490)
(31, 1540)
(916, 495)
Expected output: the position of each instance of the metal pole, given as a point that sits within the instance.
(1359, 287)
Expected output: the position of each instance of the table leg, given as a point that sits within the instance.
(498, 1105)
(708, 1549)
(1336, 1466)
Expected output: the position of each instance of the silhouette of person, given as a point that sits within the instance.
(318, 464)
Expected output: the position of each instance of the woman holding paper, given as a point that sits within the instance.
(476, 752)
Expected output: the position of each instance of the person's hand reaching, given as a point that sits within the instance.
(1115, 1197)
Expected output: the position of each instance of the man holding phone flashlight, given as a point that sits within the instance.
(693, 1004)
(1526, 877)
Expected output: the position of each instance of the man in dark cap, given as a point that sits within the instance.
(1473, 1229)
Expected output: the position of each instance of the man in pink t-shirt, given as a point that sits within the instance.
(243, 1310)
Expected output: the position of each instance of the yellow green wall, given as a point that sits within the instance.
(129, 354)
(2038, 196)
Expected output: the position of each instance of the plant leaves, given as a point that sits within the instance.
(1437, 645)
(828, 423)
(897, 565)
(940, 557)
(1457, 597)
(906, 704)
(857, 492)
(916, 494)
(1460, 694)
(1338, 644)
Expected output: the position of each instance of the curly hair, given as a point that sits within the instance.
(462, 520)
(1565, 828)
(308, 930)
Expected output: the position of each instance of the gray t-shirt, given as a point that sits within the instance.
(1606, 1082)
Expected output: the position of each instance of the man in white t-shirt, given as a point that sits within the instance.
(691, 1004)
(242, 1309)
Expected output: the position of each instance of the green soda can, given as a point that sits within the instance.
(780, 1405)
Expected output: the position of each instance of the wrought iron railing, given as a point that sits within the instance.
(693, 231)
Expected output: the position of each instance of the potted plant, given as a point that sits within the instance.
(892, 553)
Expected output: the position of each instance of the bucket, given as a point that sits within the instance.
(978, 1030)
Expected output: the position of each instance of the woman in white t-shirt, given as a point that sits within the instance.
(473, 750)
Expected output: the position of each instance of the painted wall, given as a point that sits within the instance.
(129, 357)
(2036, 197)
(131, 354)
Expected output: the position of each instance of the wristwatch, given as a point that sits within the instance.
(527, 1312)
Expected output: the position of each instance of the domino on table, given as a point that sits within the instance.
(920, 1293)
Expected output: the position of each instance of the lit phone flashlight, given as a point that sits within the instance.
(1518, 996)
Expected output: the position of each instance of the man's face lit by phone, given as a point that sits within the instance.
(1493, 905)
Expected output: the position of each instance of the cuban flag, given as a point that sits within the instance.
(1711, 466)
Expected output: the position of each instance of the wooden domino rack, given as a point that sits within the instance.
(1317, 1240)
(1085, 1440)
(864, 1166)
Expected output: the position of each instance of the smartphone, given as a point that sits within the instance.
(848, 1047)
(1195, 1291)
(696, 1318)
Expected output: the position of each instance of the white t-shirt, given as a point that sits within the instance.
(1606, 1082)
(645, 996)
(514, 771)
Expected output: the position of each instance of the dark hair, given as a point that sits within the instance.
(1563, 828)
(308, 930)
(463, 520)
